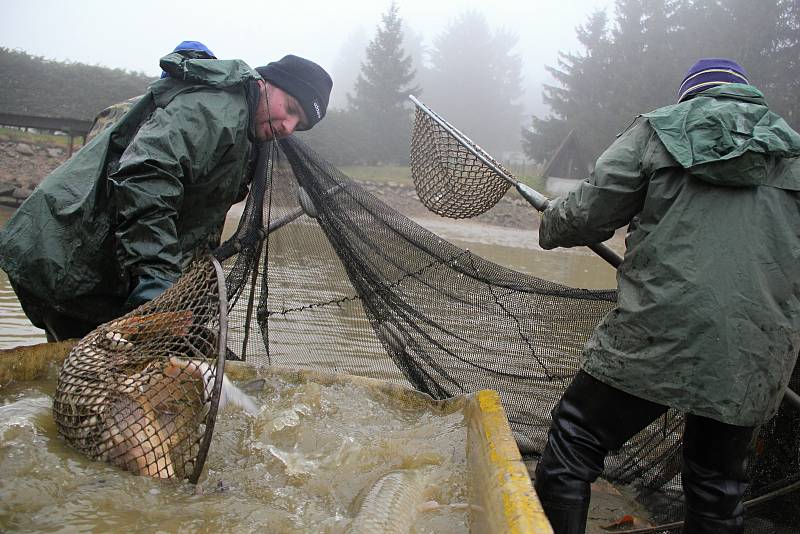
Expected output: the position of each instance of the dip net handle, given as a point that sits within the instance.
(456, 178)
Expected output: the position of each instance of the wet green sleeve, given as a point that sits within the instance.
(608, 200)
(172, 150)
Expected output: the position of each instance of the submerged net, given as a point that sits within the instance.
(321, 274)
(141, 392)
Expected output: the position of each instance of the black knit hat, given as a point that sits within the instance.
(304, 80)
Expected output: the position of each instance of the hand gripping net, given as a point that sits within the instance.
(450, 172)
(141, 392)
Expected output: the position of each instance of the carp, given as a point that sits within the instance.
(124, 398)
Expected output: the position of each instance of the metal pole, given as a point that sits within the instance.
(792, 398)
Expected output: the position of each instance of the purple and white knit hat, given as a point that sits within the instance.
(710, 72)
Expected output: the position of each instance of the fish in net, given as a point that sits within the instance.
(141, 392)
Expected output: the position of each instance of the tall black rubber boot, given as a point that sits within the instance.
(565, 517)
(564, 475)
(591, 419)
(715, 475)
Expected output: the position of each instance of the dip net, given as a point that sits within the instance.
(141, 392)
(321, 274)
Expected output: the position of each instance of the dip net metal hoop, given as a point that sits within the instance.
(453, 176)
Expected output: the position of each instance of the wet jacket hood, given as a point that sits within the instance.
(216, 73)
(727, 136)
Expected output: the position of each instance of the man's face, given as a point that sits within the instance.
(281, 117)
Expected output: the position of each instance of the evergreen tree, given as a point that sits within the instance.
(785, 98)
(380, 95)
(644, 54)
(475, 82)
(582, 98)
(413, 43)
(347, 67)
(637, 64)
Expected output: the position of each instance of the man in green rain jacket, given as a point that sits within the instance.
(115, 225)
(708, 312)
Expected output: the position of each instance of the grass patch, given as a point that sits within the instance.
(40, 139)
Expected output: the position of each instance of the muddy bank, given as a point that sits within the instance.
(24, 165)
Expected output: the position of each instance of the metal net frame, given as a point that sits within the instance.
(450, 177)
(323, 275)
(454, 177)
(141, 392)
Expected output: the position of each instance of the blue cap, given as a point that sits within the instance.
(710, 72)
(201, 51)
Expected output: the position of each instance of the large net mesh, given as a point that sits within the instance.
(141, 392)
(321, 274)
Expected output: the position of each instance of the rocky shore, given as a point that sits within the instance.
(23, 166)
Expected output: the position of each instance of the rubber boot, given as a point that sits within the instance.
(590, 420)
(714, 475)
(564, 475)
(566, 517)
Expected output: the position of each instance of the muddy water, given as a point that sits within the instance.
(15, 330)
(514, 248)
(271, 472)
(518, 249)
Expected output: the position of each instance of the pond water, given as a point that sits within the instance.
(267, 472)
(259, 471)
(513, 248)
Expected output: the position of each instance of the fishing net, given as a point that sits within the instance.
(454, 177)
(322, 274)
(141, 392)
(450, 171)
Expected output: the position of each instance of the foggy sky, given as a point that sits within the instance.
(133, 35)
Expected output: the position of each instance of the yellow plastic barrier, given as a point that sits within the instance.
(500, 484)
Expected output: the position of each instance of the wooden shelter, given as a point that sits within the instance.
(567, 167)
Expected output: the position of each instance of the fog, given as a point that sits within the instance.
(133, 35)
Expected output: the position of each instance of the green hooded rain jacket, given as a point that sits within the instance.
(139, 199)
(708, 312)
